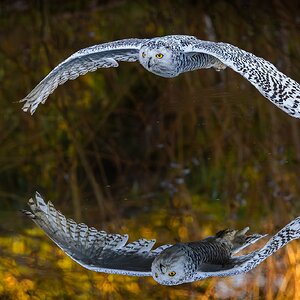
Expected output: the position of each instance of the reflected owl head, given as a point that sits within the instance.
(171, 265)
(160, 58)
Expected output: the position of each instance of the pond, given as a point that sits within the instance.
(126, 151)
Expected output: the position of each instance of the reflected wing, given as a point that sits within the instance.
(85, 60)
(238, 238)
(283, 91)
(95, 250)
(246, 241)
(245, 263)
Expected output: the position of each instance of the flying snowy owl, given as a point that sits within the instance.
(170, 56)
(168, 264)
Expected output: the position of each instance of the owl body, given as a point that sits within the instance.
(168, 264)
(164, 56)
(169, 56)
(185, 259)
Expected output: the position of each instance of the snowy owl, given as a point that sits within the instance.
(169, 56)
(168, 264)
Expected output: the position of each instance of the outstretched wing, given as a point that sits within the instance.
(283, 91)
(85, 60)
(239, 239)
(247, 241)
(245, 263)
(95, 250)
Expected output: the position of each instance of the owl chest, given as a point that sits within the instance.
(191, 62)
(210, 253)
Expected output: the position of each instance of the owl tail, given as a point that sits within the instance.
(238, 238)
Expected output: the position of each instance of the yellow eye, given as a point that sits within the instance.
(173, 273)
(156, 275)
(159, 55)
(144, 54)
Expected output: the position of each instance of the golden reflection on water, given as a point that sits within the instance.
(32, 267)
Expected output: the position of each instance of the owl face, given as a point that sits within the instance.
(159, 59)
(169, 266)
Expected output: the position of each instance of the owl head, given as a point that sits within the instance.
(160, 58)
(171, 265)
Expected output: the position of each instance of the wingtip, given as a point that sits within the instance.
(32, 110)
(243, 231)
(36, 205)
(31, 202)
(28, 213)
(37, 194)
(28, 107)
(39, 201)
(36, 201)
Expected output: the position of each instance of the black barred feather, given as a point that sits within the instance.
(83, 61)
(169, 265)
(180, 53)
(93, 249)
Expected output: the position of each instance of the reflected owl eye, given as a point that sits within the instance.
(144, 54)
(159, 55)
(173, 273)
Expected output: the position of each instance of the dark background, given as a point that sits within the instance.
(127, 151)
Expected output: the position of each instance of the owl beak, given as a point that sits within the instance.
(149, 63)
(162, 268)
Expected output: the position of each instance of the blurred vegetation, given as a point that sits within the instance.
(127, 151)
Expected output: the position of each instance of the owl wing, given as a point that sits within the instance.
(245, 263)
(281, 90)
(95, 250)
(85, 60)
